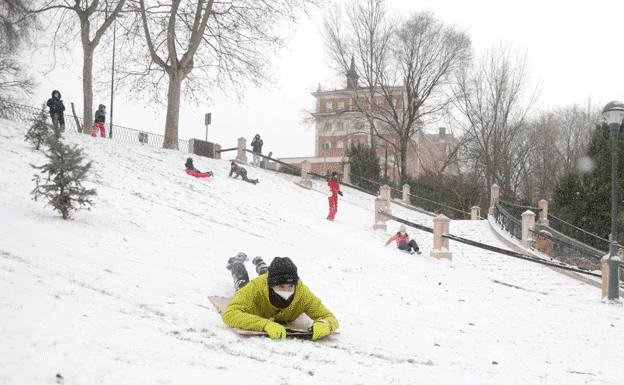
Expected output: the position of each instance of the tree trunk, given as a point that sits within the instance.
(403, 170)
(373, 142)
(173, 111)
(87, 89)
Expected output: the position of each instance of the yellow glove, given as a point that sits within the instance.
(320, 330)
(275, 330)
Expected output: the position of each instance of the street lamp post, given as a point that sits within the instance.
(613, 114)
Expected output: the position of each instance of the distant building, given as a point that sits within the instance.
(339, 123)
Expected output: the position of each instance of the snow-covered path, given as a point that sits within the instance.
(118, 295)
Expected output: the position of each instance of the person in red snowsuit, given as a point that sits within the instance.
(334, 190)
(192, 171)
(403, 242)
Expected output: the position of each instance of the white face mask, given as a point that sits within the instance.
(284, 294)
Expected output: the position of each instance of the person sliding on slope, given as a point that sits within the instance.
(192, 171)
(403, 242)
(240, 171)
(274, 298)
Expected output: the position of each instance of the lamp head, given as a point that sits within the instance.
(613, 112)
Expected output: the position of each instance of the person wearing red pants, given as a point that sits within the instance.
(334, 190)
(100, 118)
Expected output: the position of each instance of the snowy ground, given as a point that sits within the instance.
(118, 295)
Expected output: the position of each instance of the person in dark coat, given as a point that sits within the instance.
(56, 110)
(240, 171)
(256, 147)
(100, 119)
(192, 171)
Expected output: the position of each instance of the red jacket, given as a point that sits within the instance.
(398, 237)
(334, 186)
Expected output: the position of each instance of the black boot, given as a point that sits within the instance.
(236, 266)
(261, 267)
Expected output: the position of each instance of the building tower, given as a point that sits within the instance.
(352, 76)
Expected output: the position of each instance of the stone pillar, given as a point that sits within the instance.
(217, 151)
(528, 224)
(543, 214)
(494, 195)
(241, 155)
(406, 194)
(475, 213)
(305, 181)
(382, 207)
(440, 244)
(384, 192)
(346, 173)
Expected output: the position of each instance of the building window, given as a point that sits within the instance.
(341, 105)
(328, 105)
(340, 126)
(327, 127)
(340, 144)
(380, 103)
(326, 145)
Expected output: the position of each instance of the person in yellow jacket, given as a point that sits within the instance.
(276, 298)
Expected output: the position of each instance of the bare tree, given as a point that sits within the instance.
(414, 85)
(575, 126)
(407, 67)
(361, 41)
(203, 44)
(94, 16)
(493, 101)
(556, 140)
(15, 29)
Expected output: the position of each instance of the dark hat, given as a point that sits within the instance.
(282, 271)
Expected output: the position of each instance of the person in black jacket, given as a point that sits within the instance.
(256, 147)
(100, 118)
(56, 110)
(240, 171)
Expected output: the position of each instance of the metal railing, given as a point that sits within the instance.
(578, 233)
(507, 221)
(426, 203)
(23, 113)
(557, 247)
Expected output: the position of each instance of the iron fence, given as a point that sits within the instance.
(569, 251)
(18, 112)
(578, 233)
(507, 222)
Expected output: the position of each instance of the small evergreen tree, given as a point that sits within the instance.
(61, 183)
(365, 169)
(39, 132)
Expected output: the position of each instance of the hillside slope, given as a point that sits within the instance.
(118, 295)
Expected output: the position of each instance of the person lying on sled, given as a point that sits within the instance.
(403, 241)
(192, 171)
(273, 299)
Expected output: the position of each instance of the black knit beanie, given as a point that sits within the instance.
(282, 271)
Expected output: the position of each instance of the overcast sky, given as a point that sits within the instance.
(575, 50)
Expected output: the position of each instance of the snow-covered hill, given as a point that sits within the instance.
(118, 295)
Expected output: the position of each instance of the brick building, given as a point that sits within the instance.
(339, 123)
